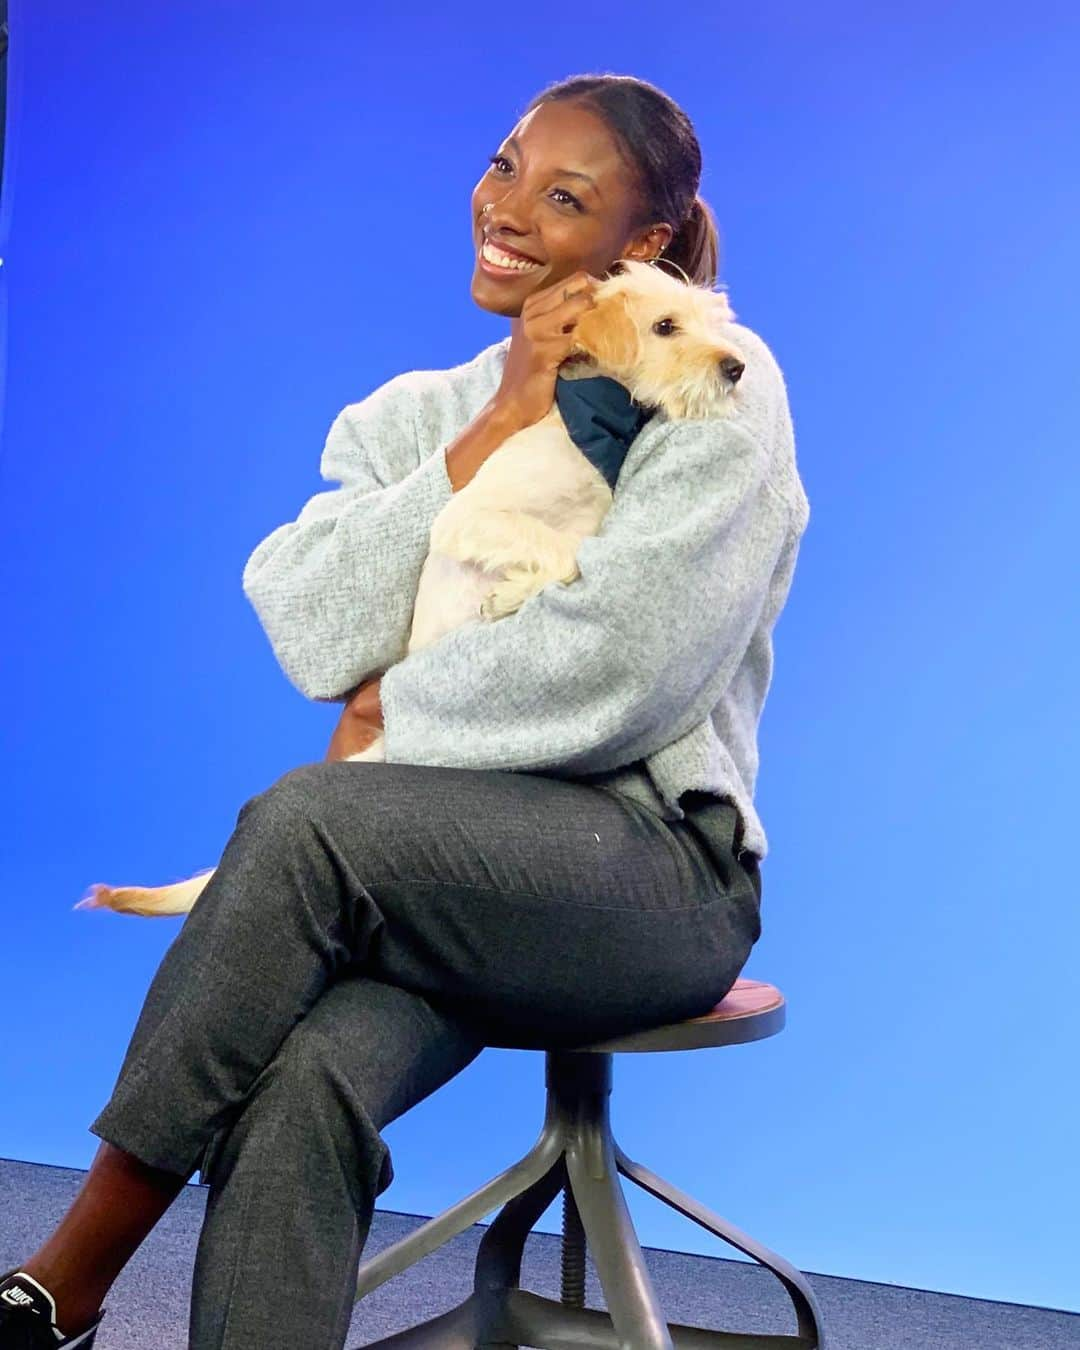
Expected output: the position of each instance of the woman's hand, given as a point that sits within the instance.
(360, 723)
(542, 341)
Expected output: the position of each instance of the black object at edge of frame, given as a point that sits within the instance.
(3, 84)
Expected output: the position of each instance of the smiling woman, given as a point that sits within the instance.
(627, 190)
(561, 845)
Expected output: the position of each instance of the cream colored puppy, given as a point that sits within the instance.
(517, 524)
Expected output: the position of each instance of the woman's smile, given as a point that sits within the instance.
(498, 262)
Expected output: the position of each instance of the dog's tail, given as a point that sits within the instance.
(150, 901)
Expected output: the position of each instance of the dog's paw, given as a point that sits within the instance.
(510, 594)
(492, 607)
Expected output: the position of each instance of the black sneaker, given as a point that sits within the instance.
(27, 1318)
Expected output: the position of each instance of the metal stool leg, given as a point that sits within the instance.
(497, 1276)
(593, 1176)
(392, 1260)
(806, 1309)
(524, 1190)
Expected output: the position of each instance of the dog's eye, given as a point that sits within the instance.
(664, 327)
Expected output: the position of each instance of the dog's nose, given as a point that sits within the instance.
(732, 368)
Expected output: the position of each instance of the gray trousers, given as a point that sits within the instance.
(369, 928)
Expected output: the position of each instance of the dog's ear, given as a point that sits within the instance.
(722, 306)
(608, 333)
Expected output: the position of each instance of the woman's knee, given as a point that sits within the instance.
(305, 1099)
(290, 801)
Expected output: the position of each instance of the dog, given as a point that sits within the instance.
(663, 340)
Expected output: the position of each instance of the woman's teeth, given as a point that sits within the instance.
(493, 254)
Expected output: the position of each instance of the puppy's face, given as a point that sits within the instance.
(661, 339)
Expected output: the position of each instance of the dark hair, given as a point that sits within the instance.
(658, 142)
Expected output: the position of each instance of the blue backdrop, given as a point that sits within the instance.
(223, 221)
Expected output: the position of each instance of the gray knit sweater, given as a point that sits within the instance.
(648, 672)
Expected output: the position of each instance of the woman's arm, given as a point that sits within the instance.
(335, 588)
(492, 425)
(361, 718)
(360, 721)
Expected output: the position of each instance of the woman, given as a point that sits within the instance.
(370, 927)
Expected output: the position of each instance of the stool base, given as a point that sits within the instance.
(577, 1154)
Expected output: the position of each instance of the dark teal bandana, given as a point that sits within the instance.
(602, 420)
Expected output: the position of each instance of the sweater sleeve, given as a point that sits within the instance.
(334, 589)
(633, 653)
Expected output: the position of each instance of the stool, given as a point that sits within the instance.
(577, 1154)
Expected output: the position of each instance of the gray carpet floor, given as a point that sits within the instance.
(148, 1305)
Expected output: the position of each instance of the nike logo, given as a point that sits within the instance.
(17, 1297)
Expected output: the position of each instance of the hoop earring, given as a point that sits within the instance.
(654, 262)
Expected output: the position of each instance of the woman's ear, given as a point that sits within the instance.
(609, 333)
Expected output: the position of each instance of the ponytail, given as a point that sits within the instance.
(695, 246)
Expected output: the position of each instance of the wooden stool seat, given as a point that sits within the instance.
(749, 1011)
